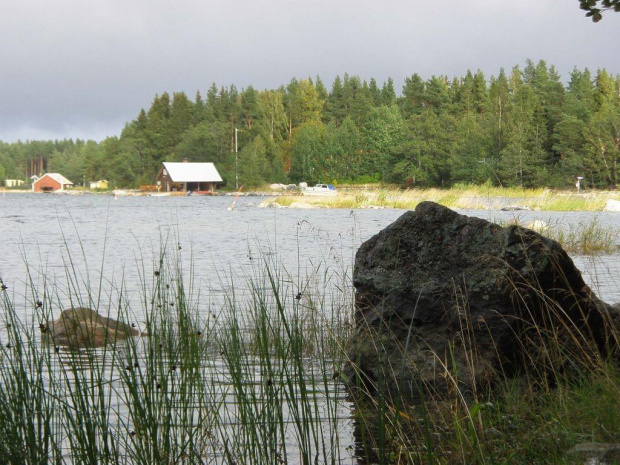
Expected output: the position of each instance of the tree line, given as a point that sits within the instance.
(523, 128)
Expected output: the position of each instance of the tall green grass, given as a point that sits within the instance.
(251, 379)
(587, 238)
(582, 238)
(255, 378)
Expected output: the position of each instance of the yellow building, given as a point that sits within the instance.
(102, 184)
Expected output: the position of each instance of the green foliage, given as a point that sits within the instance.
(383, 135)
(585, 238)
(524, 128)
(308, 153)
(254, 169)
(602, 146)
(305, 104)
(343, 157)
(594, 10)
(427, 150)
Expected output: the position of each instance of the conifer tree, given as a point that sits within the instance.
(272, 115)
(381, 136)
(200, 112)
(412, 101)
(212, 102)
(436, 95)
(320, 88)
(388, 94)
(375, 92)
(335, 107)
(361, 104)
(249, 107)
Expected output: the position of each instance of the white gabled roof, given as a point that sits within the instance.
(59, 178)
(192, 172)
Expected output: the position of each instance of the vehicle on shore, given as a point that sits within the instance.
(320, 189)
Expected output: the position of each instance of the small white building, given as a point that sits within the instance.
(13, 182)
(185, 176)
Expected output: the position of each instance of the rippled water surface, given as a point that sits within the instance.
(117, 241)
(46, 232)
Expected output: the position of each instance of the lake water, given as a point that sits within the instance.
(45, 232)
(119, 239)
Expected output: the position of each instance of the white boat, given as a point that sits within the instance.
(321, 189)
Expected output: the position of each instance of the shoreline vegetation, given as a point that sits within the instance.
(257, 381)
(463, 197)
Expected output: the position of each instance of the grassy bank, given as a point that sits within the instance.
(255, 379)
(462, 197)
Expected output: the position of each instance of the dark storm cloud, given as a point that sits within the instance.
(82, 69)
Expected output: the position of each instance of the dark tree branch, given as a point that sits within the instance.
(595, 11)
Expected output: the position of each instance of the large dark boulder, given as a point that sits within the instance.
(446, 301)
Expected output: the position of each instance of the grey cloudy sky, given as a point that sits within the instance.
(82, 69)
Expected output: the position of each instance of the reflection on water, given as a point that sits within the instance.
(114, 246)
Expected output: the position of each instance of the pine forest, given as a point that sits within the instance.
(525, 127)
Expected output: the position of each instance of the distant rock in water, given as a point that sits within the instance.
(445, 300)
(84, 327)
(612, 205)
(514, 208)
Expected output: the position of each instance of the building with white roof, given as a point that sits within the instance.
(185, 176)
(51, 182)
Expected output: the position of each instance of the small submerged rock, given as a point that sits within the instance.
(84, 327)
(270, 204)
(515, 208)
(612, 205)
(303, 206)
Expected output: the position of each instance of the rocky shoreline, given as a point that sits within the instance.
(376, 198)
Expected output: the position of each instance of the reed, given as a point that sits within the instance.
(461, 196)
(247, 380)
(587, 238)
(254, 378)
(582, 238)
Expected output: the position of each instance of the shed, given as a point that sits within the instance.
(186, 176)
(13, 182)
(101, 184)
(51, 182)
